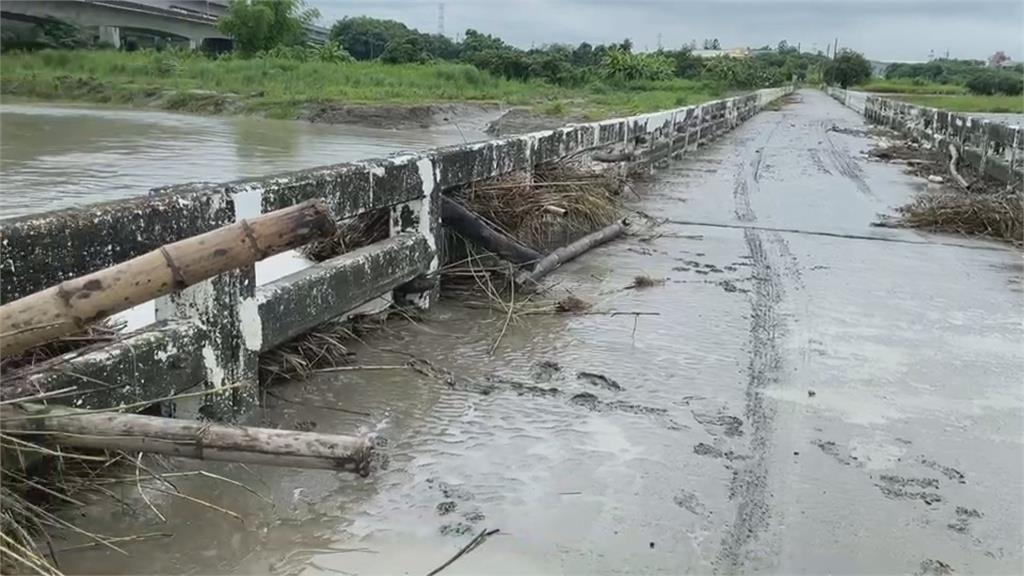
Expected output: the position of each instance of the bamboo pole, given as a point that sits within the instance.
(74, 304)
(570, 251)
(185, 438)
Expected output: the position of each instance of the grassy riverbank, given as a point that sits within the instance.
(967, 102)
(951, 97)
(284, 88)
(908, 87)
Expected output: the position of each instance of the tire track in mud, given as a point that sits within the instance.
(847, 166)
(748, 175)
(750, 480)
(818, 161)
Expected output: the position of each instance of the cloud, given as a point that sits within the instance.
(883, 30)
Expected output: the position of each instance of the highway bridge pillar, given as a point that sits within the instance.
(110, 35)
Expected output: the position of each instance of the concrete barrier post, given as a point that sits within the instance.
(421, 216)
(219, 308)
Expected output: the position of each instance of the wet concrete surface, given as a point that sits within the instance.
(842, 401)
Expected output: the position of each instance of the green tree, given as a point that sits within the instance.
(474, 42)
(405, 50)
(258, 25)
(440, 47)
(583, 55)
(366, 38)
(627, 66)
(554, 64)
(685, 64)
(849, 68)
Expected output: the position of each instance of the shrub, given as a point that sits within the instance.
(991, 82)
(626, 66)
(333, 53)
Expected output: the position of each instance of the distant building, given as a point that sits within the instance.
(728, 53)
(1000, 60)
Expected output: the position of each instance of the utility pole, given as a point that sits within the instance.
(440, 19)
(835, 50)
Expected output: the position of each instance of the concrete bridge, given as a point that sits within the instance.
(813, 392)
(194, 20)
(213, 333)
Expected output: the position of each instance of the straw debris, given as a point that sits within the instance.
(362, 230)
(559, 203)
(981, 207)
(572, 305)
(642, 281)
(106, 331)
(998, 215)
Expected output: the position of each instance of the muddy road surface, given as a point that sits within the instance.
(814, 396)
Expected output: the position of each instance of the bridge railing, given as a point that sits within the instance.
(989, 147)
(212, 334)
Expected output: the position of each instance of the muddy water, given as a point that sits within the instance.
(60, 156)
(796, 403)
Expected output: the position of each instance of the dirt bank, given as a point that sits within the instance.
(525, 120)
(399, 116)
(391, 116)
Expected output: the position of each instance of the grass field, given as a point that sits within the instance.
(280, 88)
(968, 103)
(908, 87)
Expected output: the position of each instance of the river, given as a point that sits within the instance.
(807, 394)
(54, 157)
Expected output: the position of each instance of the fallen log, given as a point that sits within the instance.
(475, 228)
(954, 157)
(133, 433)
(74, 304)
(625, 156)
(570, 251)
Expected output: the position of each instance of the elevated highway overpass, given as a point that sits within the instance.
(193, 20)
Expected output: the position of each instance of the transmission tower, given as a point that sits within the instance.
(440, 18)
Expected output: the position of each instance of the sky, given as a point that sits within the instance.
(886, 30)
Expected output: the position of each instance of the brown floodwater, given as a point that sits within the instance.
(58, 156)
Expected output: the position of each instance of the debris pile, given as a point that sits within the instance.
(952, 203)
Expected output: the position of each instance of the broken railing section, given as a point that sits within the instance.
(212, 333)
(989, 147)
